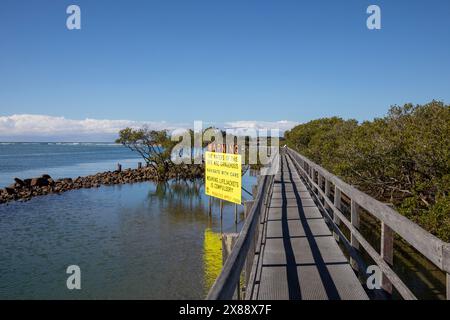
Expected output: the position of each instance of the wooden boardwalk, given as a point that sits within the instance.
(299, 257)
(286, 250)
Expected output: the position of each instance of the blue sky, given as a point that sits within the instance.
(220, 61)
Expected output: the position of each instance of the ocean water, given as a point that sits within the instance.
(131, 241)
(61, 160)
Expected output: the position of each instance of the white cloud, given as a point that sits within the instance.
(30, 127)
(21, 127)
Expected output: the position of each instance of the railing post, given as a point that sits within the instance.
(209, 205)
(228, 242)
(446, 267)
(448, 286)
(327, 192)
(313, 178)
(254, 191)
(247, 207)
(337, 204)
(387, 253)
(305, 167)
(327, 195)
(354, 216)
(238, 289)
(319, 183)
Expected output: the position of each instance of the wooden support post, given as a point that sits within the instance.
(247, 207)
(238, 289)
(254, 191)
(119, 167)
(313, 180)
(228, 242)
(354, 216)
(139, 165)
(387, 253)
(448, 286)
(209, 205)
(337, 204)
(327, 192)
(319, 183)
(307, 174)
(327, 196)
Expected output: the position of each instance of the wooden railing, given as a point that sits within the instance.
(241, 258)
(434, 249)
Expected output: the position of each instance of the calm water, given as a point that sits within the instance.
(25, 160)
(131, 241)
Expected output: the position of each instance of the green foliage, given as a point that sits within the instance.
(403, 158)
(155, 147)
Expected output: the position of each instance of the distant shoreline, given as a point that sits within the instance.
(61, 142)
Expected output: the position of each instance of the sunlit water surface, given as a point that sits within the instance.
(138, 241)
(133, 241)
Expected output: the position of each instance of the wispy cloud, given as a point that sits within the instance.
(30, 127)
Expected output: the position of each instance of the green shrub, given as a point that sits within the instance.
(403, 158)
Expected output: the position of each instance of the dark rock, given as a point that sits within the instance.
(19, 182)
(25, 189)
(10, 190)
(39, 182)
(34, 182)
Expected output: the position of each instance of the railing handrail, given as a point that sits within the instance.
(433, 248)
(225, 284)
(427, 244)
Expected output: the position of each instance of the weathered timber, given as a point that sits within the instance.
(427, 244)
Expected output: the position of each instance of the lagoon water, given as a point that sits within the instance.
(134, 241)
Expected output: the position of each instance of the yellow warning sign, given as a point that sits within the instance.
(223, 176)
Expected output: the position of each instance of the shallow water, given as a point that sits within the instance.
(135, 241)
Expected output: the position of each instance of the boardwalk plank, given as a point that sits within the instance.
(300, 258)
